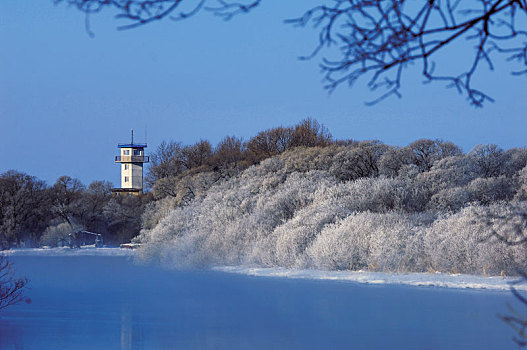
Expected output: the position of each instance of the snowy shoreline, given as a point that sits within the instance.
(84, 251)
(415, 279)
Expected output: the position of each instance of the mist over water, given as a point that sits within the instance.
(109, 302)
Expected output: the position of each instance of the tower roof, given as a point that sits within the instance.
(132, 145)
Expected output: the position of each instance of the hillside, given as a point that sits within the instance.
(348, 207)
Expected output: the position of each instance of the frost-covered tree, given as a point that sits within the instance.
(357, 161)
(185, 187)
(393, 159)
(57, 235)
(516, 160)
(490, 190)
(521, 194)
(490, 160)
(425, 152)
(450, 172)
(370, 241)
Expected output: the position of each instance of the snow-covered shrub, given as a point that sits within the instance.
(489, 190)
(295, 210)
(289, 241)
(449, 199)
(384, 194)
(304, 159)
(515, 160)
(467, 241)
(56, 235)
(158, 241)
(397, 244)
(185, 187)
(155, 211)
(521, 193)
(343, 245)
(388, 242)
(450, 172)
(223, 227)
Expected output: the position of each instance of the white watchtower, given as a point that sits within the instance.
(131, 157)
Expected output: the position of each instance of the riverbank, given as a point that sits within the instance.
(438, 279)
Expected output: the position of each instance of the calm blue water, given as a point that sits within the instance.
(105, 302)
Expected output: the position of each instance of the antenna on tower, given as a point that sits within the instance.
(146, 134)
(132, 136)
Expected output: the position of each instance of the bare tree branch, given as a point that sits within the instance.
(11, 288)
(377, 39)
(141, 12)
(380, 38)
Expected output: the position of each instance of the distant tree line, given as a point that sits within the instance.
(432, 179)
(183, 172)
(33, 213)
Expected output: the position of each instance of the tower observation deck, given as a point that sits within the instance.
(131, 158)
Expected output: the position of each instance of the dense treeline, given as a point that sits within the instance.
(295, 197)
(186, 171)
(332, 204)
(33, 213)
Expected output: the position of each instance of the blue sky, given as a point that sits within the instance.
(66, 99)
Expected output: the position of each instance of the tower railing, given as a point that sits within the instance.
(132, 159)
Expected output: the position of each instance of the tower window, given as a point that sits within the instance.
(137, 152)
(126, 167)
(126, 179)
(126, 152)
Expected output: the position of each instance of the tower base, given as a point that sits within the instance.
(127, 191)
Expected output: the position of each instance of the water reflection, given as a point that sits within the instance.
(131, 333)
(37, 328)
(9, 335)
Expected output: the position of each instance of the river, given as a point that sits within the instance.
(109, 302)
